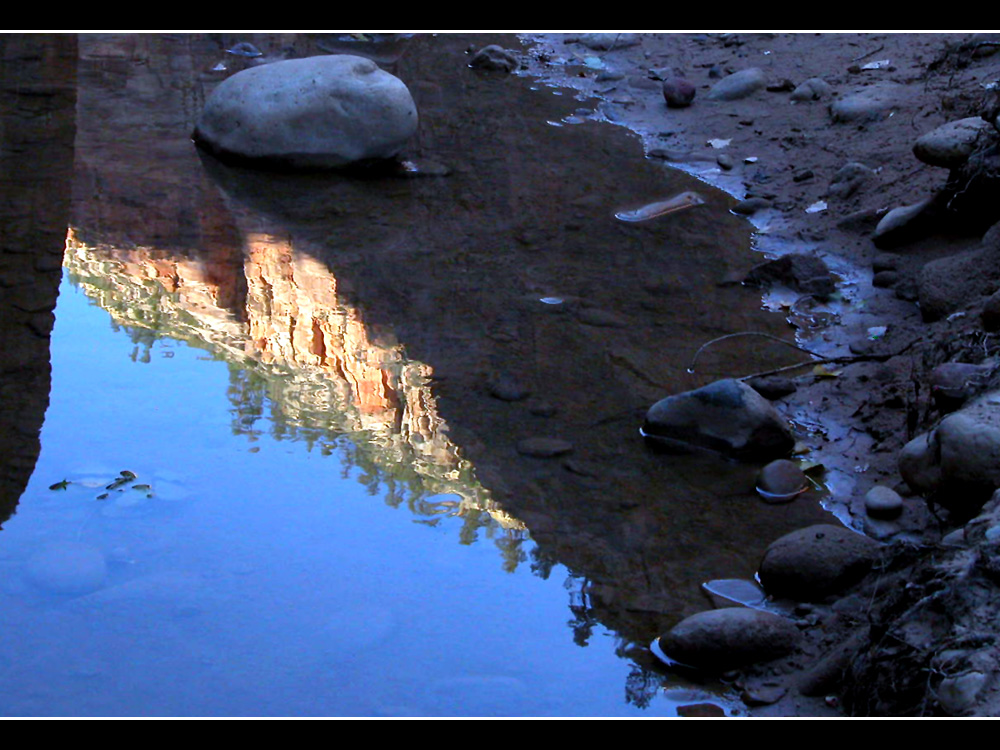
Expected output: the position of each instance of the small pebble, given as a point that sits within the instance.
(883, 502)
(781, 481)
(678, 92)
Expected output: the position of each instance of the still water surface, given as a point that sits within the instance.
(322, 386)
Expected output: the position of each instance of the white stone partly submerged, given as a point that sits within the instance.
(317, 112)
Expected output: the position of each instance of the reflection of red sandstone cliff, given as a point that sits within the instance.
(295, 318)
(37, 127)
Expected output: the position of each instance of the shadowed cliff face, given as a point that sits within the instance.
(37, 123)
(443, 320)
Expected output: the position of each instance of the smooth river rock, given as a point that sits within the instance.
(812, 563)
(883, 502)
(726, 416)
(316, 112)
(811, 90)
(958, 462)
(729, 638)
(870, 103)
(781, 481)
(738, 85)
(951, 144)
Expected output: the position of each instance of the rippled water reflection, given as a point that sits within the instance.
(334, 388)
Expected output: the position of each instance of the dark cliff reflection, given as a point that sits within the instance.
(37, 122)
(424, 327)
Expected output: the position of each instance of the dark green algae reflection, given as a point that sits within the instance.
(361, 327)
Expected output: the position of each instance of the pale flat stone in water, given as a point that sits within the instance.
(727, 591)
(544, 447)
(155, 598)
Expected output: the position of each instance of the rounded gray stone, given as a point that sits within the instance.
(871, 103)
(724, 639)
(726, 416)
(781, 481)
(951, 144)
(315, 112)
(811, 90)
(812, 563)
(738, 85)
(883, 502)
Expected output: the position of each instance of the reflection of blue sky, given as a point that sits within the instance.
(257, 582)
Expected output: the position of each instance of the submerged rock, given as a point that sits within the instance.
(68, 568)
(813, 563)
(729, 638)
(727, 416)
(316, 112)
(495, 57)
(804, 273)
(544, 447)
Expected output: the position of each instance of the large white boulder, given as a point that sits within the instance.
(315, 112)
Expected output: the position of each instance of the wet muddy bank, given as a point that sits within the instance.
(789, 156)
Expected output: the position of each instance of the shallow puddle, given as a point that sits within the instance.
(356, 445)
